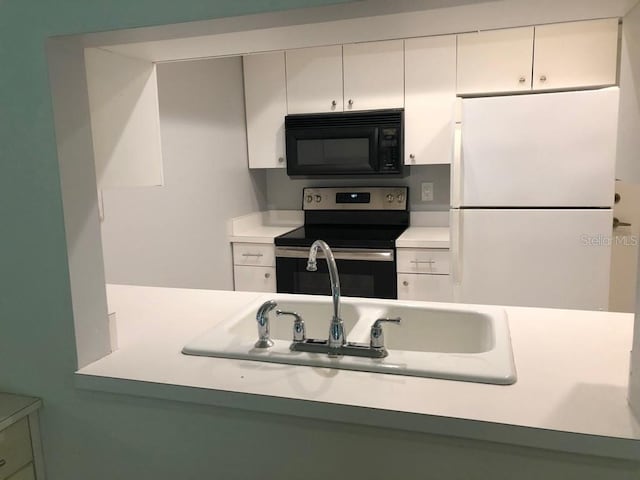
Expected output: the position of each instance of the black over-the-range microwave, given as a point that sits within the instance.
(350, 143)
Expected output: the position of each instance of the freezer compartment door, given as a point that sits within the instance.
(540, 150)
(538, 258)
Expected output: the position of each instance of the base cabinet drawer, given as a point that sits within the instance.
(254, 279)
(15, 448)
(430, 288)
(258, 254)
(27, 473)
(423, 260)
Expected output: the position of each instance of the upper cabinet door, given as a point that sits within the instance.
(430, 99)
(314, 79)
(373, 75)
(266, 106)
(576, 54)
(495, 60)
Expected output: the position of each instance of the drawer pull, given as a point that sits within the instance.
(252, 255)
(430, 262)
(405, 283)
(3, 462)
(267, 275)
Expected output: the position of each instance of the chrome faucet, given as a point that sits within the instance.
(262, 317)
(337, 335)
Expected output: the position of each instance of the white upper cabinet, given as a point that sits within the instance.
(266, 106)
(495, 60)
(373, 75)
(567, 55)
(314, 79)
(430, 99)
(576, 54)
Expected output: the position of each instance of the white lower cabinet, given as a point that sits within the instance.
(254, 267)
(423, 274)
(254, 279)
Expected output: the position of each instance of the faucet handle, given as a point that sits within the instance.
(299, 331)
(377, 334)
(262, 317)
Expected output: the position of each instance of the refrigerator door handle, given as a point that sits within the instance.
(456, 167)
(455, 225)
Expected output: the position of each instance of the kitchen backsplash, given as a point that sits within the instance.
(285, 193)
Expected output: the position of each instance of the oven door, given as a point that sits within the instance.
(343, 150)
(369, 273)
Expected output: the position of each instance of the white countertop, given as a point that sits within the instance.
(573, 369)
(424, 237)
(263, 227)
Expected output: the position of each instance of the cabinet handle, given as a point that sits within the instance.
(333, 103)
(280, 159)
(252, 255)
(350, 102)
(543, 78)
(267, 275)
(522, 79)
(3, 462)
(617, 223)
(430, 262)
(412, 156)
(405, 283)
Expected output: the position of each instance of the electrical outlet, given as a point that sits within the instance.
(427, 192)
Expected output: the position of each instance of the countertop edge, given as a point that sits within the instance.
(31, 405)
(553, 440)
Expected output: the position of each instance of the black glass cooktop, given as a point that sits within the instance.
(342, 236)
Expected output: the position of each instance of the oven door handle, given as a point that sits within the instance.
(361, 254)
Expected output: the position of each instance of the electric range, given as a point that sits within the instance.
(361, 225)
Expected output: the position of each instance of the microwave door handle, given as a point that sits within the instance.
(373, 151)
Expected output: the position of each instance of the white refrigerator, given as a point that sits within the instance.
(532, 186)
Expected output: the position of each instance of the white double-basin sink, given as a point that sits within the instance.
(449, 341)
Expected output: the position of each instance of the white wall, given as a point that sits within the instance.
(176, 235)
(284, 193)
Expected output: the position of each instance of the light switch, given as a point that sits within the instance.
(427, 191)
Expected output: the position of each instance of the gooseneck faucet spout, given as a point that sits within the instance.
(337, 336)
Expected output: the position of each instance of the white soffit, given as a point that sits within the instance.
(323, 26)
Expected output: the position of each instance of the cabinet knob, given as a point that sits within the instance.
(267, 275)
(333, 103)
(412, 156)
(3, 462)
(616, 198)
(522, 79)
(405, 283)
(280, 159)
(543, 78)
(350, 102)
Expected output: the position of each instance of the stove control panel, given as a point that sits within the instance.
(355, 198)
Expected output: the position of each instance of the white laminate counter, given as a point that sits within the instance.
(424, 237)
(573, 369)
(263, 227)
